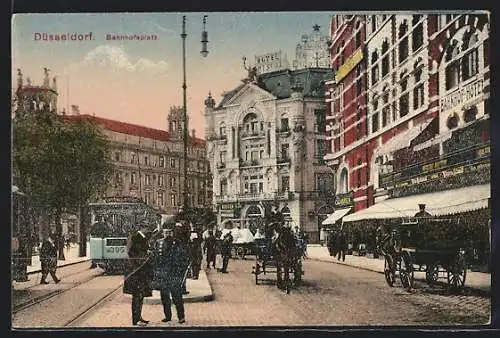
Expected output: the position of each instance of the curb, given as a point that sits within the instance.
(485, 292)
(59, 266)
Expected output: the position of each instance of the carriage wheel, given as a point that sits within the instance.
(389, 270)
(457, 272)
(432, 274)
(406, 271)
(240, 251)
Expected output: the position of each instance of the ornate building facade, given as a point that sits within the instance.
(266, 143)
(148, 163)
(312, 50)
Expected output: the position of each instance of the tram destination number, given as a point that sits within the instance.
(116, 249)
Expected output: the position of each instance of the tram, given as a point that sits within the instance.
(112, 222)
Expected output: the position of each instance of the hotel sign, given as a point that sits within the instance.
(349, 65)
(344, 200)
(462, 96)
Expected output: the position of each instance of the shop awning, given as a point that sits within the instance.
(438, 203)
(337, 214)
(402, 140)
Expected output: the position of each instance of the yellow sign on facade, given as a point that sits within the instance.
(349, 65)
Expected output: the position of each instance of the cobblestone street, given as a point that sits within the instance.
(332, 295)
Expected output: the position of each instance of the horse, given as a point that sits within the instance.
(286, 254)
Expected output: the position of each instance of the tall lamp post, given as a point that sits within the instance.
(204, 53)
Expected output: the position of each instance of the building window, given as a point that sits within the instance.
(147, 197)
(358, 171)
(358, 122)
(320, 126)
(470, 114)
(418, 33)
(375, 122)
(452, 67)
(160, 199)
(386, 109)
(374, 23)
(342, 53)
(452, 121)
(173, 201)
(403, 42)
(117, 156)
(161, 161)
(284, 151)
(375, 70)
(344, 178)
(284, 124)
(357, 38)
(470, 59)
(172, 163)
(404, 98)
(146, 160)
(223, 187)
(359, 84)
(147, 179)
(385, 58)
(285, 183)
(132, 158)
(133, 179)
(418, 91)
(222, 129)
(375, 102)
(161, 180)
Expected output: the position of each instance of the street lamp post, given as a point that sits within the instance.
(204, 53)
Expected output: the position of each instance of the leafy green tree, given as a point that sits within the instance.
(62, 163)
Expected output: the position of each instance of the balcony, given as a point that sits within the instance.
(219, 139)
(248, 135)
(283, 131)
(256, 196)
(252, 163)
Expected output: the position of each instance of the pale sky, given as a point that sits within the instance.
(137, 81)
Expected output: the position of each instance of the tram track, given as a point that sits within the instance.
(36, 300)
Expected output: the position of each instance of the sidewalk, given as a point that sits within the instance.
(70, 254)
(474, 280)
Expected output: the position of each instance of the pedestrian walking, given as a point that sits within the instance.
(209, 249)
(341, 245)
(171, 263)
(48, 259)
(226, 245)
(195, 253)
(139, 274)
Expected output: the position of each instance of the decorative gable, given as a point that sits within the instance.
(249, 93)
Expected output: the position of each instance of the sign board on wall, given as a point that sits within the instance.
(461, 96)
(349, 65)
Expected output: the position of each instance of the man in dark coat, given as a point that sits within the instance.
(140, 273)
(341, 245)
(422, 213)
(209, 249)
(226, 246)
(48, 259)
(170, 268)
(195, 253)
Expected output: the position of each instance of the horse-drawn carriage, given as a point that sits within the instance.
(281, 254)
(431, 245)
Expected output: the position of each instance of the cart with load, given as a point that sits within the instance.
(431, 245)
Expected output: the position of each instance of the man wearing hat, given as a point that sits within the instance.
(226, 245)
(170, 267)
(422, 212)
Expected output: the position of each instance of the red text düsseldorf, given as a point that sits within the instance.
(63, 37)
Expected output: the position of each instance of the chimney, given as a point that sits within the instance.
(75, 110)
(193, 133)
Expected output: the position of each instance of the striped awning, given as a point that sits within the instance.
(337, 214)
(440, 203)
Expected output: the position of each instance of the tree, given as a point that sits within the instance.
(61, 163)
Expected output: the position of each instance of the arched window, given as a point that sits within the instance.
(418, 90)
(470, 59)
(452, 66)
(418, 32)
(470, 114)
(403, 41)
(386, 107)
(404, 98)
(344, 177)
(222, 129)
(385, 58)
(223, 186)
(452, 121)
(250, 123)
(375, 70)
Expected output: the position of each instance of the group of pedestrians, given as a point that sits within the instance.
(337, 244)
(158, 264)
